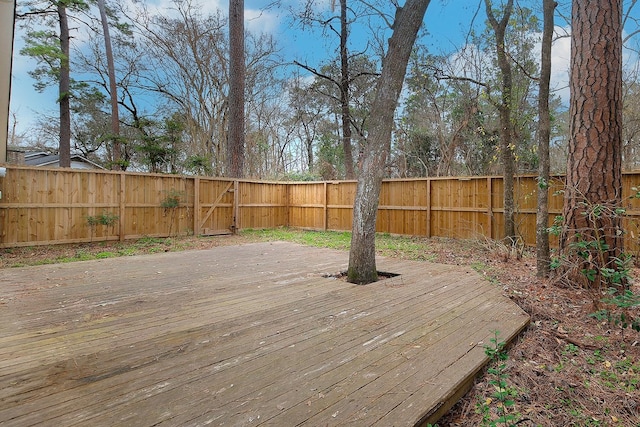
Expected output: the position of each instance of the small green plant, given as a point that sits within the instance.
(620, 309)
(588, 253)
(82, 255)
(570, 349)
(171, 203)
(106, 218)
(597, 357)
(502, 399)
(485, 270)
(172, 199)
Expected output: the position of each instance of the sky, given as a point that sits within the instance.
(446, 21)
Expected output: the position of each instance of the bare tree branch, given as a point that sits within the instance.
(316, 72)
(439, 75)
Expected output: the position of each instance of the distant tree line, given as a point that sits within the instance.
(303, 121)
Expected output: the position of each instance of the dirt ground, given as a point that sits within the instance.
(568, 368)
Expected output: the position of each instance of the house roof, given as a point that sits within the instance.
(41, 158)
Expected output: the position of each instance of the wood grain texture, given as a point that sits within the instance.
(51, 206)
(241, 335)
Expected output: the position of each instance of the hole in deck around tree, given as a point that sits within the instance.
(342, 275)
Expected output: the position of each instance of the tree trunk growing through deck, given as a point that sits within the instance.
(235, 142)
(362, 255)
(64, 88)
(594, 176)
(544, 132)
(507, 146)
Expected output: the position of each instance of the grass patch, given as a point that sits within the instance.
(150, 241)
(386, 244)
(105, 254)
(127, 251)
(486, 272)
(321, 239)
(405, 247)
(414, 249)
(44, 262)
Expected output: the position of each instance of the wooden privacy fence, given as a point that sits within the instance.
(49, 206)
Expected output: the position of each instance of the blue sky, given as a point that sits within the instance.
(446, 21)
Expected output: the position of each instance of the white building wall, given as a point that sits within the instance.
(6, 51)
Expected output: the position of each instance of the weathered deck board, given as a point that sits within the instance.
(241, 335)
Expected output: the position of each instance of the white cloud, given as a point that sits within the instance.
(631, 58)
(468, 60)
(257, 21)
(165, 7)
(318, 5)
(169, 8)
(560, 61)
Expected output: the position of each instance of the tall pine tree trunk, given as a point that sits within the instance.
(362, 255)
(116, 149)
(235, 137)
(544, 132)
(594, 169)
(64, 88)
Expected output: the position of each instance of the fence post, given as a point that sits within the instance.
(235, 226)
(429, 207)
(122, 206)
(490, 206)
(325, 210)
(196, 206)
(287, 207)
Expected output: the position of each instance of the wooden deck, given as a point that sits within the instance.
(241, 336)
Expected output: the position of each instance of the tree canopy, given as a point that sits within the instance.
(306, 116)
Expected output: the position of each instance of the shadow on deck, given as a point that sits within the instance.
(242, 335)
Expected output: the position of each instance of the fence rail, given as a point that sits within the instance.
(50, 206)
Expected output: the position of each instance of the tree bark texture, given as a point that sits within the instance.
(544, 133)
(504, 109)
(362, 259)
(235, 142)
(344, 93)
(116, 153)
(594, 176)
(64, 87)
